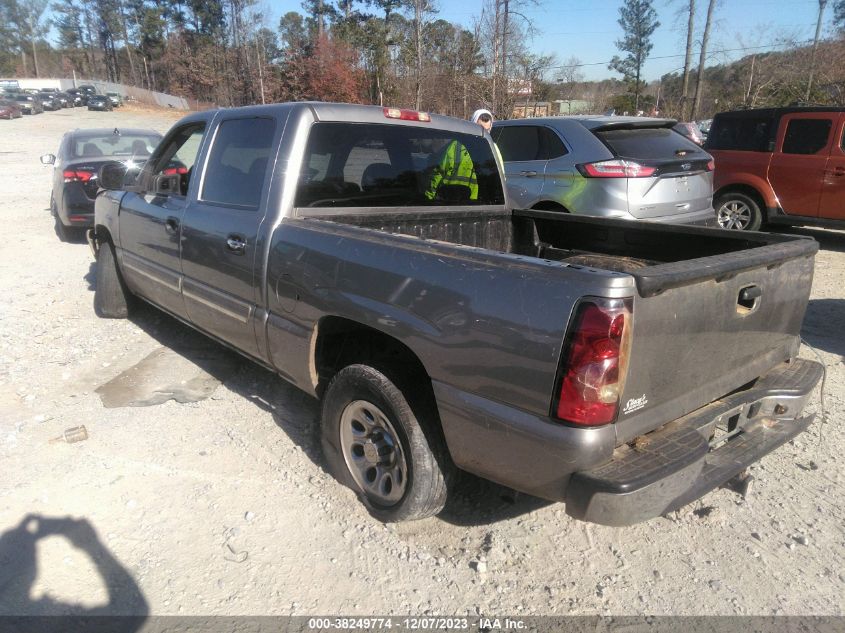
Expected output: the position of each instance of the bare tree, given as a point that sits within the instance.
(822, 4)
(699, 80)
(688, 57)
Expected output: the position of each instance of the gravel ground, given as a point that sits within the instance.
(222, 506)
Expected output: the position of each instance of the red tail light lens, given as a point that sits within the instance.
(595, 362)
(172, 171)
(73, 175)
(616, 169)
(407, 115)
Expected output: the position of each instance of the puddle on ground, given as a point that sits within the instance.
(187, 375)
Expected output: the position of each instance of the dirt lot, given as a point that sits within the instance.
(222, 506)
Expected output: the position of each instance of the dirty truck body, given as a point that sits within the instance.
(623, 368)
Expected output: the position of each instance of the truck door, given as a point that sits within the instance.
(221, 227)
(522, 148)
(832, 206)
(151, 219)
(798, 164)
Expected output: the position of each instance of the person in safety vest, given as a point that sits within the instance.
(456, 167)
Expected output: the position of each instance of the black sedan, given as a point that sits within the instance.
(99, 102)
(75, 168)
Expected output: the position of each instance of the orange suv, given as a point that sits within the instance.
(779, 166)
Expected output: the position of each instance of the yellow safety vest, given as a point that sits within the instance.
(456, 168)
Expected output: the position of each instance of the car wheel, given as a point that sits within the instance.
(738, 211)
(111, 296)
(390, 453)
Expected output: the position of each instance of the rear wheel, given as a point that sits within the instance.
(390, 453)
(111, 297)
(738, 211)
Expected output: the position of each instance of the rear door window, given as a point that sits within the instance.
(518, 142)
(237, 163)
(806, 136)
(647, 143)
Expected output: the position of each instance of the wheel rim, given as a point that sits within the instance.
(734, 214)
(373, 453)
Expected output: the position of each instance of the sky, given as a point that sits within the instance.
(588, 29)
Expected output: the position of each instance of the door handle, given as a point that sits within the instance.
(236, 244)
(839, 171)
(171, 225)
(528, 174)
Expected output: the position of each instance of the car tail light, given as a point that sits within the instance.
(77, 175)
(407, 115)
(615, 169)
(172, 171)
(711, 165)
(595, 362)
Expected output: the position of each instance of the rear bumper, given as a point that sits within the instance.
(682, 461)
(602, 483)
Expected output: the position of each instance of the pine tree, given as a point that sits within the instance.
(638, 20)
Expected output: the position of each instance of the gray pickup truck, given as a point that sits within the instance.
(624, 368)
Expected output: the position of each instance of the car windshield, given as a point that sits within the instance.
(129, 145)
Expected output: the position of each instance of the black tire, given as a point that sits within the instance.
(429, 468)
(738, 211)
(111, 297)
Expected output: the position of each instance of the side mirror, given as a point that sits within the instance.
(167, 184)
(112, 176)
(48, 159)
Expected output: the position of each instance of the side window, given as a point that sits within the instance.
(806, 136)
(740, 133)
(237, 163)
(179, 155)
(519, 142)
(551, 145)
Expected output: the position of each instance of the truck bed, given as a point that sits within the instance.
(697, 336)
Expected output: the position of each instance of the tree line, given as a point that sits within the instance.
(397, 52)
(227, 52)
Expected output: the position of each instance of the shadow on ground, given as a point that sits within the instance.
(19, 572)
(823, 325)
(475, 501)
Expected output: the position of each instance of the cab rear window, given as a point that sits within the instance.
(647, 143)
(374, 165)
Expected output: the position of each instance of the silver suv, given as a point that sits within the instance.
(620, 167)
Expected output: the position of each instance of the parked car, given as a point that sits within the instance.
(49, 101)
(9, 109)
(782, 166)
(624, 367)
(617, 167)
(62, 99)
(80, 155)
(690, 131)
(80, 97)
(28, 103)
(99, 102)
(115, 98)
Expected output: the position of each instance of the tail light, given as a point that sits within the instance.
(711, 165)
(595, 362)
(172, 171)
(77, 175)
(615, 169)
(407, 115)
